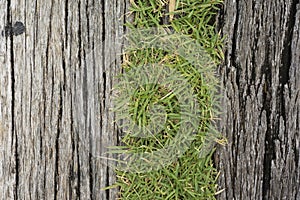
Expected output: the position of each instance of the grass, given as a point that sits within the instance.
(191, 175)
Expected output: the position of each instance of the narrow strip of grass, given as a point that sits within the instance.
(191, 176)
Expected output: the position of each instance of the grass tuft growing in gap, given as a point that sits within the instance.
(190, 176)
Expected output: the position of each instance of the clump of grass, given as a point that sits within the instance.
(190, 176)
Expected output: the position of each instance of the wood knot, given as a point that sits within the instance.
(17, 29)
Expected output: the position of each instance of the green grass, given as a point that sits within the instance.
(190, 176)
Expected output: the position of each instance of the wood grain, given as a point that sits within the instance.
(261, 78)
(56, 82)
(55, 87)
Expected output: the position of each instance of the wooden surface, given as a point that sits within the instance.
(261, 77)
(55, 85)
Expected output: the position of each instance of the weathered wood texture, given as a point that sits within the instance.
(261, 77)
(55, 84)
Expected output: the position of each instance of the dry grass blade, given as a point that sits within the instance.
(172, 5)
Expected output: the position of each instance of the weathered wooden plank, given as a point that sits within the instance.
(56, 81)
(261, 79)
(7, 138)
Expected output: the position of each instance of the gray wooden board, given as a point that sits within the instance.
(261, 78)
(55, 99)
(55, 86)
